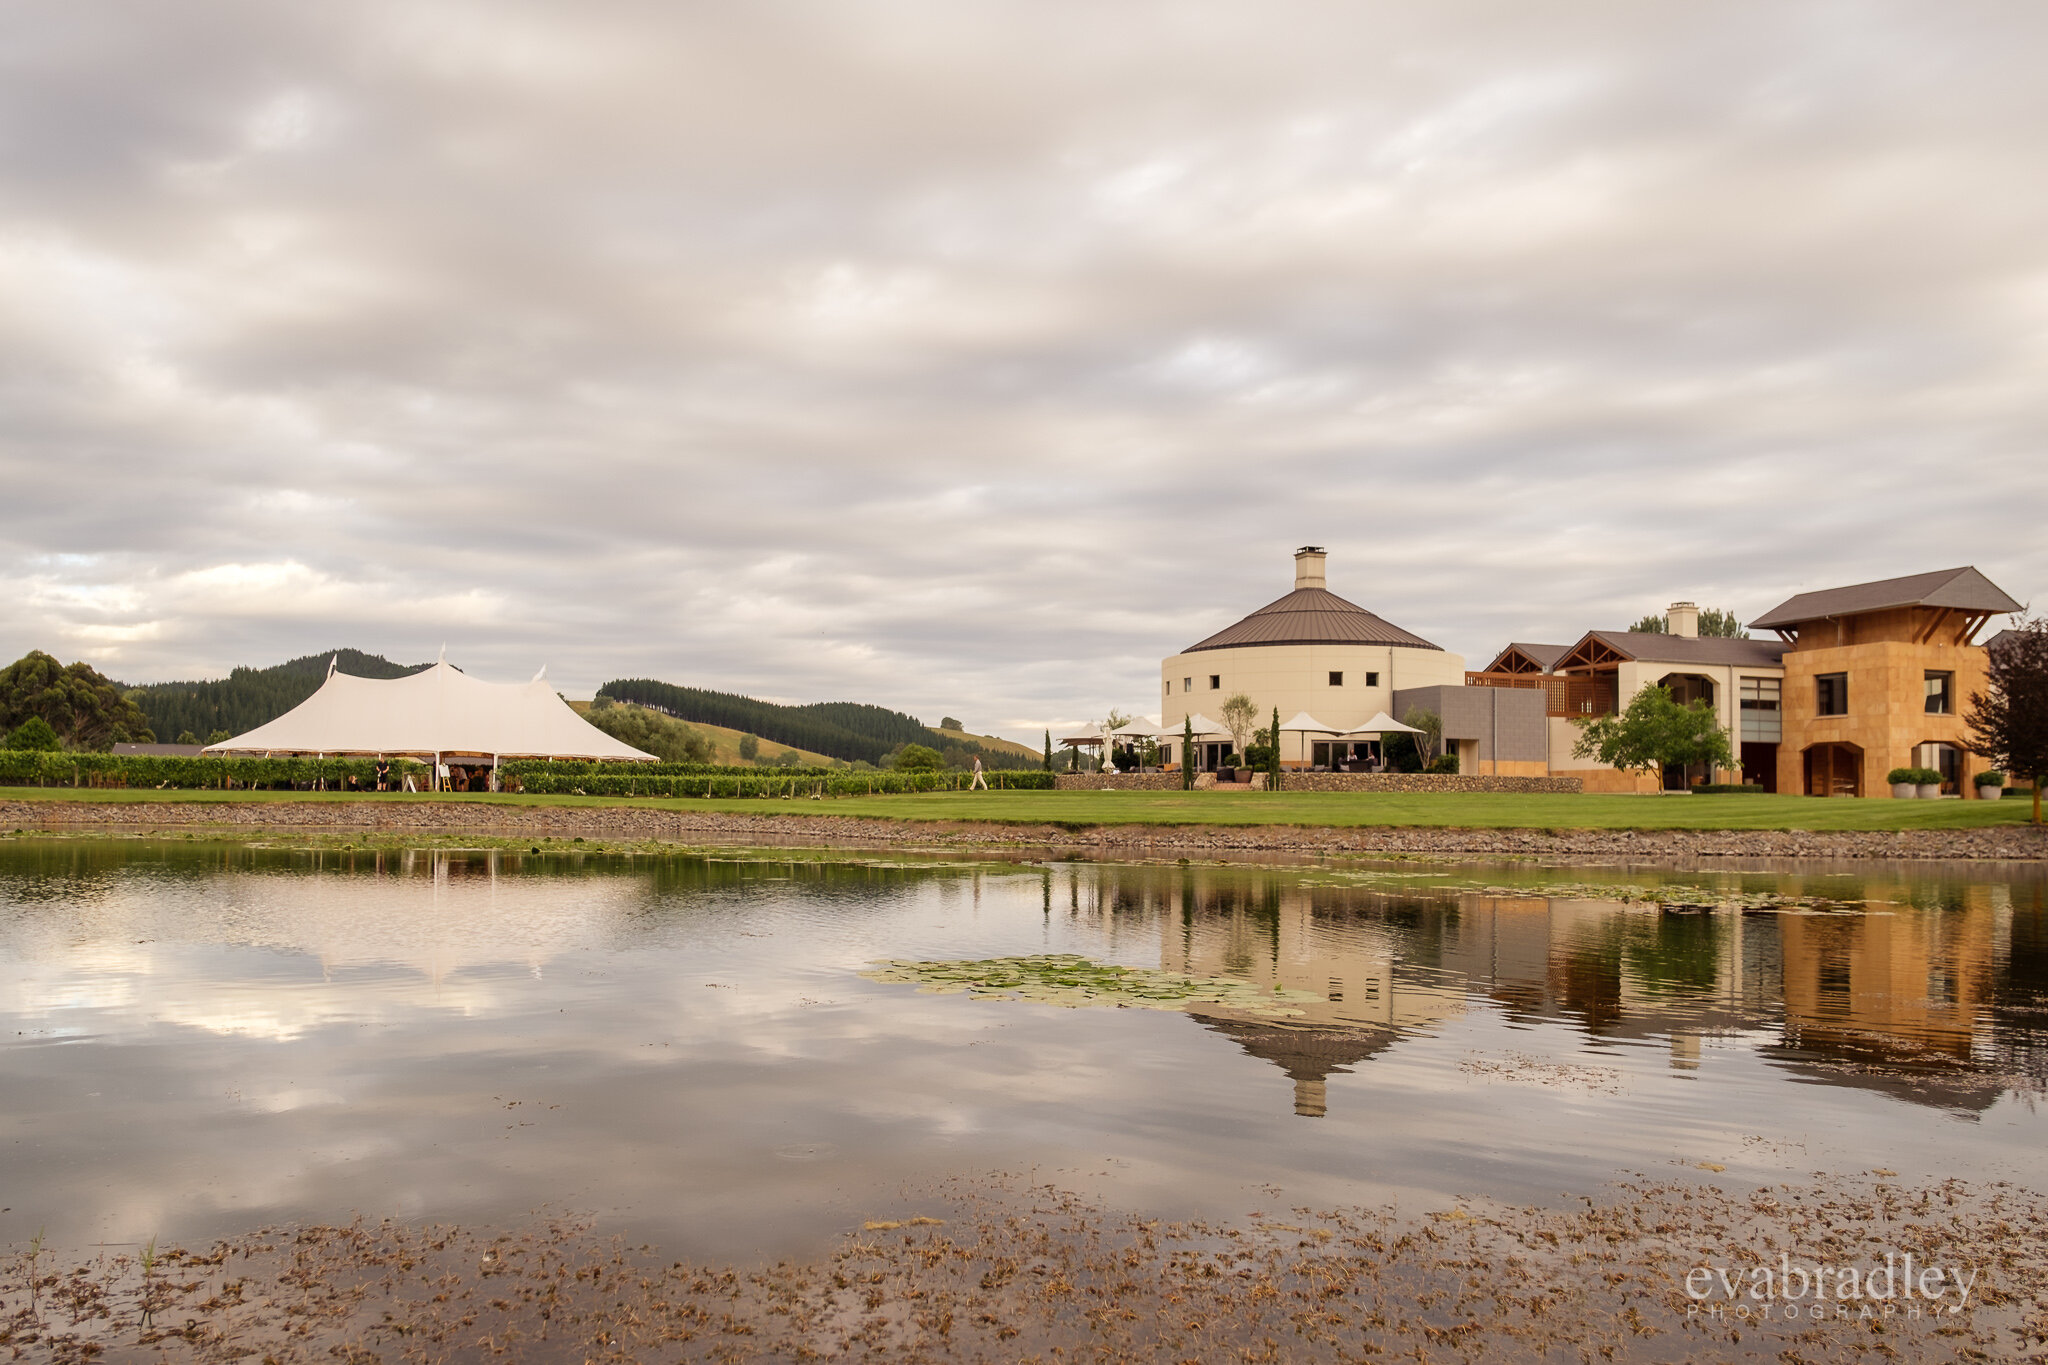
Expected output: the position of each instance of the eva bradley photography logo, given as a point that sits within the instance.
(1899, 1287)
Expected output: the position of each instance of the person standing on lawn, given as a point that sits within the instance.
(980, 779)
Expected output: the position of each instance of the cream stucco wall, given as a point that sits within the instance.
(1631, 678)
(1295, 678)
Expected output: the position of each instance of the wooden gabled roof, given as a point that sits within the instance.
(1312, 616)
(1963, 589)
(1599, 647)
(1523, 657)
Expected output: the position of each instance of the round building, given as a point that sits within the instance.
(1309, 652)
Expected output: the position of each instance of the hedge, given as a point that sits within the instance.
(30, 768)
(43, 769)
(835, 782)
(523, 767)
(1729, 789)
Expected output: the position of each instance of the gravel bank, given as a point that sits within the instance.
(384, 818)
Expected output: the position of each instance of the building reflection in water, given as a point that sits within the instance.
(1932, 992)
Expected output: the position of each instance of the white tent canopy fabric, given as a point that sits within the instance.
(1305, 723)
(440, 710)
(1203, 727)
(1381, 724)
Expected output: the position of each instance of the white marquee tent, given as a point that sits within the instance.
(439, 712)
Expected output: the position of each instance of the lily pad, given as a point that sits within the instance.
(1075, 982)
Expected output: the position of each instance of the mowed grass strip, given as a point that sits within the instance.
(1081, 809)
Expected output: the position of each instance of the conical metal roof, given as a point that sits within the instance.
(1312, 616)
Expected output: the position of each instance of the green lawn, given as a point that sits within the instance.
(1345, 809)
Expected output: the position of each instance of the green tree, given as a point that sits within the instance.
(948, 723)
(1239, 714)
(34, 733)
(186, 737)
(86, 710)
(2009, 720)
(916, 758)
(1048, 751)
(1187, 754)
(1654, 731)
(651, 732)
(1430, 742)
(750, 748)
(1273, 768)
(1715, 624)
(218, 737)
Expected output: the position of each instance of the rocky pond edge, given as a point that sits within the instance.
(2007, 843)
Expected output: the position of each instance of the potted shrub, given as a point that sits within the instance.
(1990, 786)
(1928, 781)
(1904, 781)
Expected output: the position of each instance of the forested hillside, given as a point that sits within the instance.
(853, 731)
(249, 697)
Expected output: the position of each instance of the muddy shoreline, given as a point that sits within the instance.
(624, 822)
(1004, 1273)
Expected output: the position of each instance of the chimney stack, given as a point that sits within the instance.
(1683, 618)
(1308, 568)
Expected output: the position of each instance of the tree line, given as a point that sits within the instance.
(249, 697)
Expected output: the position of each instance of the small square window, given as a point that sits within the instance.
(1941, 693)
(1215, 681)
(1831, 694)
(1336, 680)
(1372, 680)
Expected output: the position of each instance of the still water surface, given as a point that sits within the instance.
(198, 1039)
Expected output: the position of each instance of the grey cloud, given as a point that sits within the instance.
(972, 358)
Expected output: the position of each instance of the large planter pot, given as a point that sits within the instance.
(1904, 791)
(1990, 793)
(1226, 774)
(1929, 791)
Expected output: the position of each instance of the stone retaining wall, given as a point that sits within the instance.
(1117, 782)
(1331, 782)
(1425, 782)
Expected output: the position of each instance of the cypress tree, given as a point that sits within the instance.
(1273, 768)
(1187, 754)
(1048, 751)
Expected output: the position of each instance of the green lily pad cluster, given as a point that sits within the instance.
(1076, 982)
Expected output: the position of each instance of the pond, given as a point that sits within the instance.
(706, 1051)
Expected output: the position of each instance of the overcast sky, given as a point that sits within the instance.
(970, 357)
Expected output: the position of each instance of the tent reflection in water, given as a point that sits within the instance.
(439, 714)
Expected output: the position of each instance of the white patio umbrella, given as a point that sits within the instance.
(1204, 729)
(1380, 724)
(1306, 724)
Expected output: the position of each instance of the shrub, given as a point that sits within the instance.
(34, 734)
(916, 758)
(1902, 777)
(1446, 763)
(30, 768)
(1258, 757)
(1990, 779)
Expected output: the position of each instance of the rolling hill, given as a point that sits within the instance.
(854, 731)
